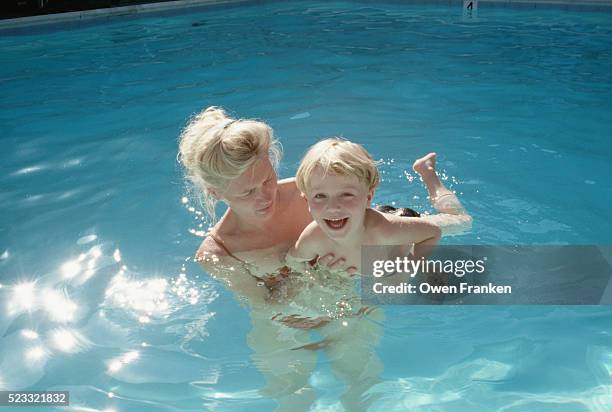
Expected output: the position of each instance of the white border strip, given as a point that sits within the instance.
(108, 12)
(180, 4)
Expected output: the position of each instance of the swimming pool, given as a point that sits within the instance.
(517, 104)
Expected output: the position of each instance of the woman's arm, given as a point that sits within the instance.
(215, 261)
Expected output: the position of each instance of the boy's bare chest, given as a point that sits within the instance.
(353, 255)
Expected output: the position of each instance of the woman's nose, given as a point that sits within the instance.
(265, 194)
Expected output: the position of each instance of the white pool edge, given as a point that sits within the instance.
(181, 4)
(108, 12)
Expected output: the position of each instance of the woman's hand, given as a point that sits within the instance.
(302, 322)
(330, 261)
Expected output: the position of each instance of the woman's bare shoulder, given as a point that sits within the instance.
(211, 246)
(287, 182)
(288, 185)
(210, 252)
(292, 194)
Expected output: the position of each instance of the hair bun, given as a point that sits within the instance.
(212, 114)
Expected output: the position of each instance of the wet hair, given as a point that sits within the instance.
(341, 157)
(214, 149)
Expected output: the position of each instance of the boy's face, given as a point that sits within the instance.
(338, 204)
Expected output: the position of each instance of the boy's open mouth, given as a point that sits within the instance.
(336, 224)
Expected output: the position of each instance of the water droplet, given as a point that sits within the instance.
(298, 116)
(86, 239)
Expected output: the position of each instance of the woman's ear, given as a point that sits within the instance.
(213, 193)
(371, 194)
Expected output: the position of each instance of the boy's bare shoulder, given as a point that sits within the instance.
(310, 241)
(311, 234)
(380, 219)
(383, 227)
(376, 221)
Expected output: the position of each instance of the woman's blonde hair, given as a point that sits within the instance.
(215, 148)
(338, 156)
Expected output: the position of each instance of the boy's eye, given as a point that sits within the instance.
(249, 193)
(319, 196)
(348, 194)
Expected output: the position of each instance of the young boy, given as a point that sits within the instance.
(338, 179)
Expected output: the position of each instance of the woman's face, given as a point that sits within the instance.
(253, 195)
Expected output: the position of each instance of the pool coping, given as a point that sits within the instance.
(73, 16)
(20, 22)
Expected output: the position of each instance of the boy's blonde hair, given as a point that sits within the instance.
(215, 148)
(337, 156)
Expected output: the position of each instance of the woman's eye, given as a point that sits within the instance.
(348, 195)
(249, 193)
(319, 196)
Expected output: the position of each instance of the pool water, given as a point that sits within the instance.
(99, 295)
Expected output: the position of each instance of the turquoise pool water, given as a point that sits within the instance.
(99, 296)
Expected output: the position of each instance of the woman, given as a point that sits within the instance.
(234, 160)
